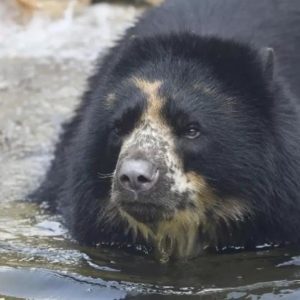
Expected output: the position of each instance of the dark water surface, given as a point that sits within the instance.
(39, 261)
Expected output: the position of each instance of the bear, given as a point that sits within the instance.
(187, 138)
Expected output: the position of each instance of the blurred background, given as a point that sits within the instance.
(47, 48)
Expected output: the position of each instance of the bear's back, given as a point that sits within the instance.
(265, 23)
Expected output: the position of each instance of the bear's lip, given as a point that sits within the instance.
(145, 212)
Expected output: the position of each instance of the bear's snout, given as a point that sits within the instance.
(141, 188)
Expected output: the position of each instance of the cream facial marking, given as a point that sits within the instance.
(154, 101)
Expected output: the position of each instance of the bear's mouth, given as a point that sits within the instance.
(172, 233)
(148, 213)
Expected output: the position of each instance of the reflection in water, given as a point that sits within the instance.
(43, 72)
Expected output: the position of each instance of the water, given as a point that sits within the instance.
(39, 260)
(43, 68)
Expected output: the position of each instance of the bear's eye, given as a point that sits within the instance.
(192, 131)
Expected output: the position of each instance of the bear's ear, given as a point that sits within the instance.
(267, 59)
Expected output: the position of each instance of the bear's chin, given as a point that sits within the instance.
(147, 213)
(171, 234)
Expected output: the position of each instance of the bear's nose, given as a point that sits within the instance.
(138, 175)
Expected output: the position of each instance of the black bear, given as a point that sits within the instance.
(188, 137)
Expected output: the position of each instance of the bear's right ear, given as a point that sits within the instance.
(267, 59)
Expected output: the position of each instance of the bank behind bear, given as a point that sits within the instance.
(187, 137)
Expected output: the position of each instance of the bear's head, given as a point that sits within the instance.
(191, 131)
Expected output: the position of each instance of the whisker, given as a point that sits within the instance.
(105, 175)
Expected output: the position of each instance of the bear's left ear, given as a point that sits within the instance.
(267, 59)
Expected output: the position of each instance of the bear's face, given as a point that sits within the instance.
(185, 144)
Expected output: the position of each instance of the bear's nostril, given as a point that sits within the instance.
(125, 179)
(143, 179)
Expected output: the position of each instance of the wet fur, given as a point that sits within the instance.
(249, 179)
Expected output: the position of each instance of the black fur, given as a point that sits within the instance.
(251, 153)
